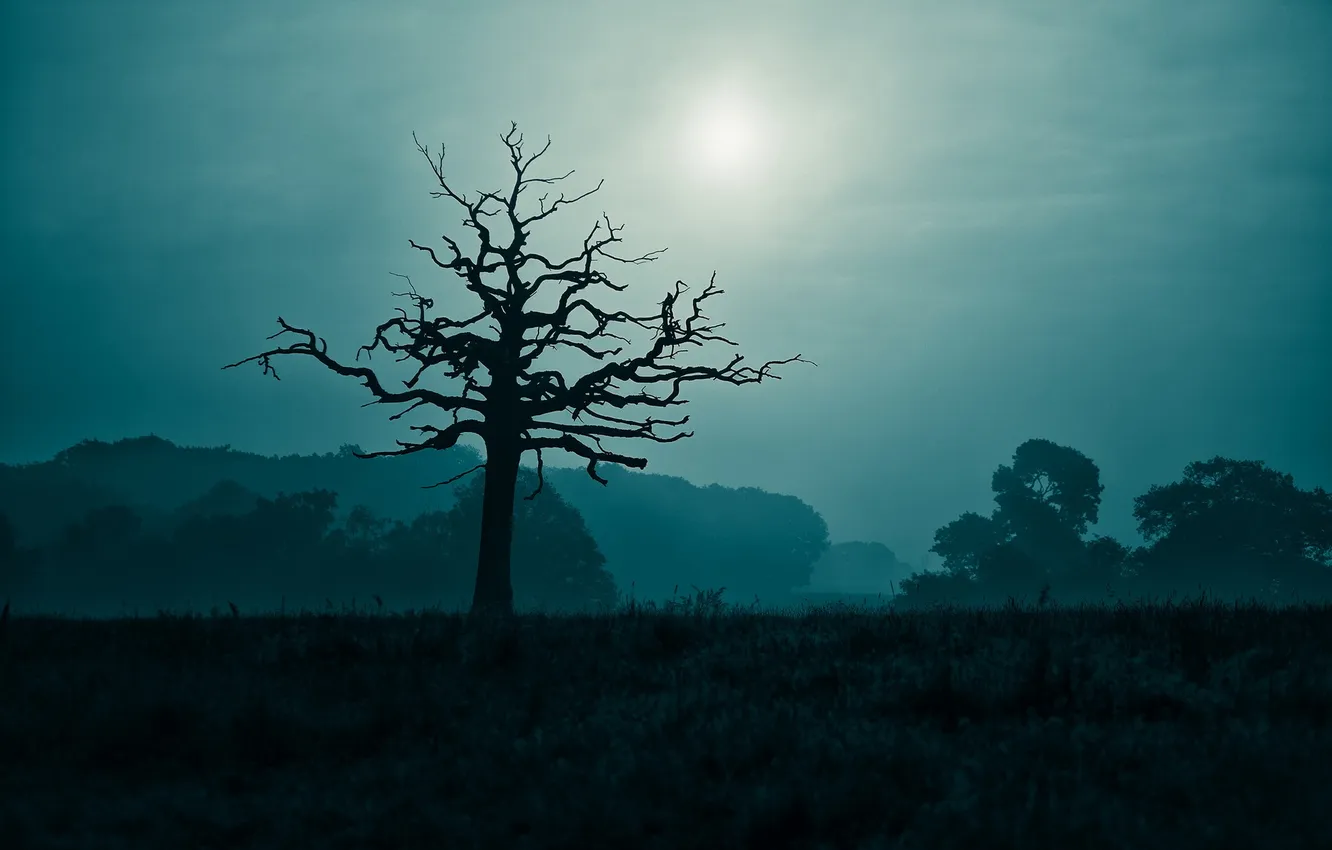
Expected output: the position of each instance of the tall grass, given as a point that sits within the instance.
(686, 723)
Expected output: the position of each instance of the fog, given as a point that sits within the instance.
(985, 223)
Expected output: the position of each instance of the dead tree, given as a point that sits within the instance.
(511, 414)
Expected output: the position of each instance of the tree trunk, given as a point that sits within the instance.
(494, 584)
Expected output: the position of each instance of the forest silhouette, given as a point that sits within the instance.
(144, 525)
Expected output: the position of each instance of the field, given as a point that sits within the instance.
(1189, 725)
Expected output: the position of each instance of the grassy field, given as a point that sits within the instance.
(1164, 726)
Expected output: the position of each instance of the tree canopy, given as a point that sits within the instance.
(1238, 526)
(1241, 506)
(1044, 502)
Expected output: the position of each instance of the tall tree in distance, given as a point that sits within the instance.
(512, 410)
(1045, 502)
(1061, 479)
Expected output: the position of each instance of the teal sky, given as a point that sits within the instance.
(1108, 225)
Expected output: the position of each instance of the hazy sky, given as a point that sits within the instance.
(1109, 225)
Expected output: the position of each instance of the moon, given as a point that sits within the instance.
(726, 138)
(726, 141)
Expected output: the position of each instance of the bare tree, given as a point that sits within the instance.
(513, 409)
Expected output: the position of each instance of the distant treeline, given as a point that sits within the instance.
(1229, 529)
(153, 524)
(232, 546)
(142, 524)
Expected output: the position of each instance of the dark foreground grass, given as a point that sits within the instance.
(1139, 727)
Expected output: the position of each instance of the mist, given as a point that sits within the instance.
(1107, 228)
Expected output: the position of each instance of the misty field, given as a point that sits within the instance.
(1148, 726)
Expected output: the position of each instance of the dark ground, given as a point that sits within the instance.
(1193, 726)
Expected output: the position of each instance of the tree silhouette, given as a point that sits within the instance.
(1107, 559)
(512, 408)
(1043, 505)
(1240, 523)
(1045, 501)
(1012, 568)
(363, 527)
(962, 542)
(1240, 504)
(1062, 478)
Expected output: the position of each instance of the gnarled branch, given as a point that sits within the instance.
(517, 397)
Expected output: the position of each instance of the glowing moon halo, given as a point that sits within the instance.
(725, 140)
